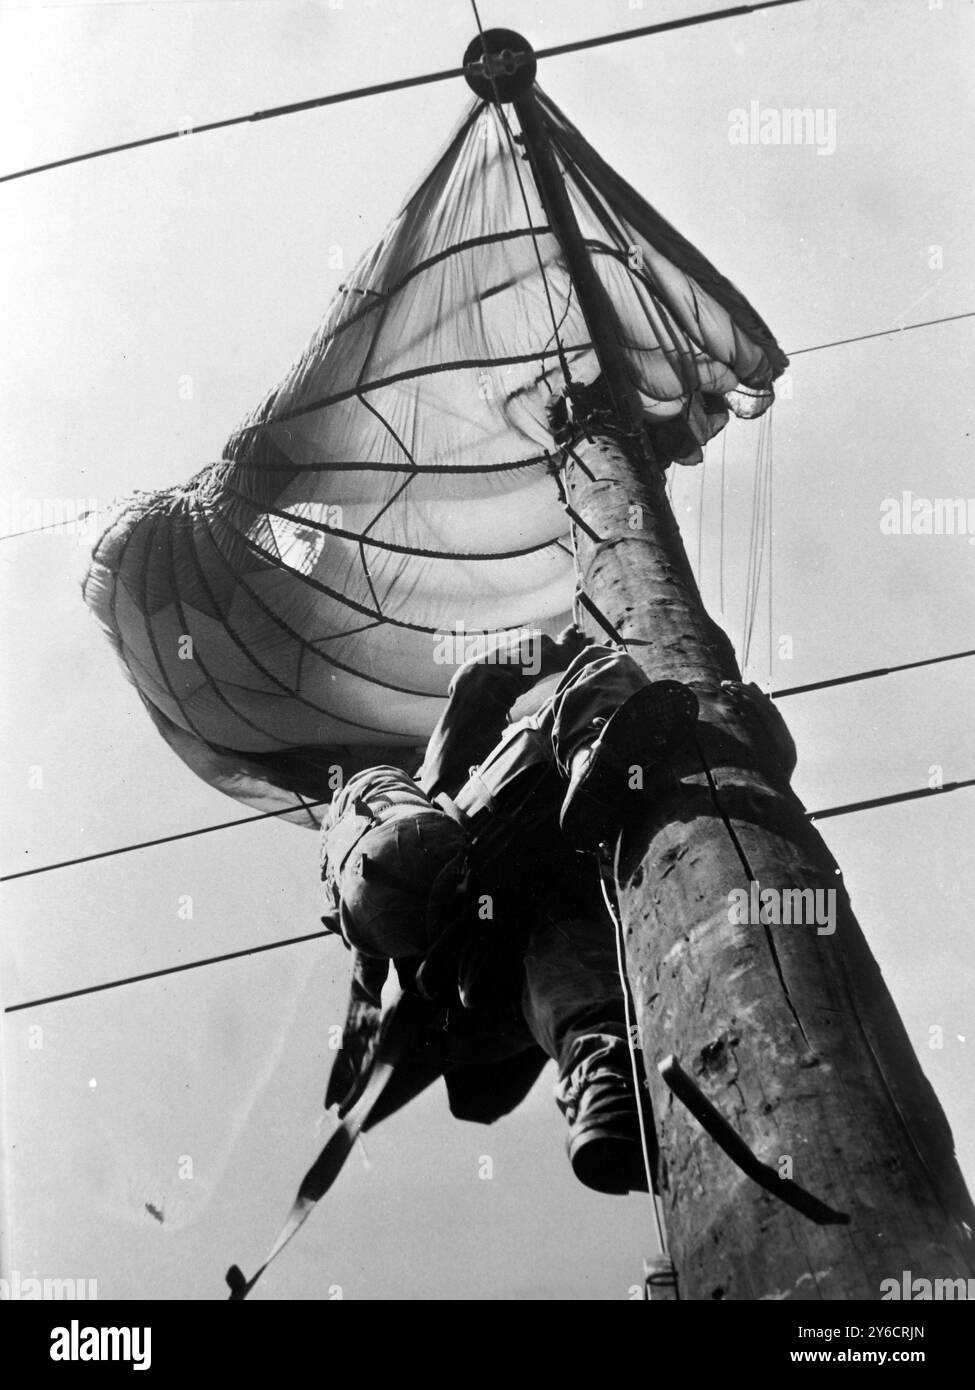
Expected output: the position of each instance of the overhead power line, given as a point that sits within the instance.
(868, 675)
(848, 809)
(270, 114)
(819, 347)
(163, 840)
(309, 805)
(881, 333)
(734, 12)
(169, 970)
(851, 806)
(293, 108)
(67, 527)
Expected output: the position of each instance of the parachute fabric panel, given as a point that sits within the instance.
(301, 605)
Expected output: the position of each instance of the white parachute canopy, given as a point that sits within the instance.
(396, 485)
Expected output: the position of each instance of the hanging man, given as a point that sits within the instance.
(476, 879)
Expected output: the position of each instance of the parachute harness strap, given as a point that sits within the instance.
(660, 1273)
(392, 1046)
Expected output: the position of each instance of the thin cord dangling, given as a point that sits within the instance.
(631, 1034)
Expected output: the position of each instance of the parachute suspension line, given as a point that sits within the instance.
(700, 522)
(724, 454)
(631, 1032)
(554, 465)
(750, 551)
(748, 560)
(771, 538)
(401, 489)
(762, 559)
(516, 165)
(848, 808)
(757, 537)
(766, 538)
(580, 599)
(556, 323)
(400, 444)
(553, 340)
(576, 590)
(632, 1043)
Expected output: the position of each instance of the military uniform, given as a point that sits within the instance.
(536, 956)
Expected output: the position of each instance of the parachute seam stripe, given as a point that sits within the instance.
(516, 167)
(556, 327)
(685, 256)
(348, 466)
(363, 539)
(400, 444)
(365, 570)
(456, 249)
(350, 632)
(361, 608)
(461, 364)
(304, 645)
(666, 311)
(367, 357)
(378, 618)
(606, 215)
(197, 659)
(150, 632)
(378, 621)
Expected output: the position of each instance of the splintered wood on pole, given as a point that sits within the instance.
(789, 1032)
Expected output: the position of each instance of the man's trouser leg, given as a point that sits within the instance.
(594, 686)
(612, 732)
(573, 1005)
(572, 1000)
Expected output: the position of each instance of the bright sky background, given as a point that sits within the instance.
(210, 258)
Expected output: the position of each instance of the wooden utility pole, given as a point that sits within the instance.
(788, 1031)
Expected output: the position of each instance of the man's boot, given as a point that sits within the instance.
(643, 733)
(598, 1100)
